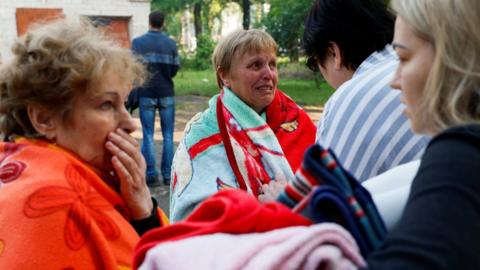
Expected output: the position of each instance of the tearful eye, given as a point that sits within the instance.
(255, 65)
(107, 105)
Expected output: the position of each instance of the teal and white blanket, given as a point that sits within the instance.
(201, 167)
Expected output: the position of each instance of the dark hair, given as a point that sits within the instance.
(156, 18)
(358, 27)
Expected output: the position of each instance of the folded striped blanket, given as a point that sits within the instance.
(325, 192)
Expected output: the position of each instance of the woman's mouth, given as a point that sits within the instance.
(264, 88)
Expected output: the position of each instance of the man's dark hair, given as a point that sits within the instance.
(358, 27)
(156, 19)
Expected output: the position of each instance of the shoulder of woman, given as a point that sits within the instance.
(466, 133)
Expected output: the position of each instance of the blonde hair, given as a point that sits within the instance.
(240, 42)
(452, 91)
(55, 62)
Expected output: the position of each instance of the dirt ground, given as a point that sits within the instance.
(186, 107)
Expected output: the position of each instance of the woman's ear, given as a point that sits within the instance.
(336, 54)
(223, 77)
(42, 120)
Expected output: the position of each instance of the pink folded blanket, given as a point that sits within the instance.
(322, 246)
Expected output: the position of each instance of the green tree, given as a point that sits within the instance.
(205, 46)
(172, 10)
(204, 11)
(174, 7)
(285, 23)
(197, 18)
(246, 13)
(246, 7)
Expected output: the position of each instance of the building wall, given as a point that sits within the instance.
(136, 10)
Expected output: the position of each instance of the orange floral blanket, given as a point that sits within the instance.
(57, 213)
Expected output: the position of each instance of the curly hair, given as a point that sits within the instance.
(52, 64)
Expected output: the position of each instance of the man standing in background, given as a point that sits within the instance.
(160, 54)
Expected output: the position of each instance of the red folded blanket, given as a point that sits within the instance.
(228, 211)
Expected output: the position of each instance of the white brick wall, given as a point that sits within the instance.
(137, 11)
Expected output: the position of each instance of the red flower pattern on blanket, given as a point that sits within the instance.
(83, 204)
(10, 170)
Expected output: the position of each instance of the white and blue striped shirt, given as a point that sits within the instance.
(363, 121)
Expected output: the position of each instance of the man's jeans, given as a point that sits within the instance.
(166, 107)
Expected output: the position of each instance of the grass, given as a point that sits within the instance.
(294, 79)
(194, 82)
(306, 92)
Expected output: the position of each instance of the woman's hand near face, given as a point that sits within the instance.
(130, 167)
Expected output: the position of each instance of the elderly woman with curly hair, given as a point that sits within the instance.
(72, 179)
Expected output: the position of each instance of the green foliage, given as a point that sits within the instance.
(171, 10)
(173, 26)
(186, 62)
(285, 23)
(166, 6)
(296, 70)
(210, 9)
(203, 54)
(306, 92)
(301, 84)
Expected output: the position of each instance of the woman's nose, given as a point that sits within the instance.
(269, 72)
(127, 123)
(395, 84)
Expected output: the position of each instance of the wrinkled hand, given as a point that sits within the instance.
(129, 166)
(272, 189)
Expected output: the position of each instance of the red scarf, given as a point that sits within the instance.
(292, 126)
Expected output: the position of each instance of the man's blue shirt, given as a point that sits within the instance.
(160, 54)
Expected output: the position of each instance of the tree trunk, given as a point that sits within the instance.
(294, 53)
(197, 18)
(246, 14)
(294, 56)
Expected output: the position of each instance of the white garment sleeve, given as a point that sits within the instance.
(390, 191)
